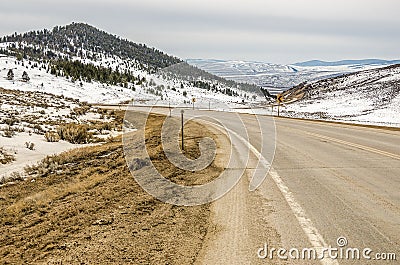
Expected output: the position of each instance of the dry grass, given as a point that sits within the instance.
(158, 156)
(86, 208)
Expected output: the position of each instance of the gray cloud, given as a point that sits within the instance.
(281, 31)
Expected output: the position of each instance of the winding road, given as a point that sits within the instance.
(330, 186)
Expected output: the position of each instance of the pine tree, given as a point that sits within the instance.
(25, 77)
(10, 74)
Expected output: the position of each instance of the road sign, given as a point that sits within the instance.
(279, 98)
(193, 101)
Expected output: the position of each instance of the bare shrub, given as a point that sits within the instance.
(15, 176)
(11, 121)
(52, 137)
(9, 132)
(48, 165)
(37, 129)
(107, 126)
(29, 145)
(80, 111)
(103, 126)
(5, 157)
(74, 133)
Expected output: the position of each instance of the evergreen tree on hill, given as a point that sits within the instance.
(25, 76)
(10, 74)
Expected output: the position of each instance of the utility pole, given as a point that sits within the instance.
(169, 107)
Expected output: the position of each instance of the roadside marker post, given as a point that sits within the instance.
(183, 144)
(193, 101)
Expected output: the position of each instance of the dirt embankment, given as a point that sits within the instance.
(86, 208)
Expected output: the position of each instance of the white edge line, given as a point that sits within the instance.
(315, 238)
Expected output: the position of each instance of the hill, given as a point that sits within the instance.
(85, 41)
(81, 61)
(370, 96)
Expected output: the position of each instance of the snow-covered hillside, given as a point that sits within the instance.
(277, 78)
(370, 97)
(157, 90)
(82, 62)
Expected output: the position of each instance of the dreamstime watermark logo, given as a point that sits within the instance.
(241, 152)
(341, 252)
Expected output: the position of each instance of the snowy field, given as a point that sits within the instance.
(31, 125)
(26, 157)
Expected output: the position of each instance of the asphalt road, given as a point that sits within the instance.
(347, 181)
(327, 181)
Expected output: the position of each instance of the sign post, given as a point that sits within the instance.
(279, 99)
(193, 101)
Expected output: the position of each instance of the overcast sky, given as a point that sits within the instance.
(278, 31)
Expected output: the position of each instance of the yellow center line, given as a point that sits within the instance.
(363, 147)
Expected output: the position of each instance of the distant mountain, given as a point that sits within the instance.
(347, 62)
(278, 78)
(235, 68)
